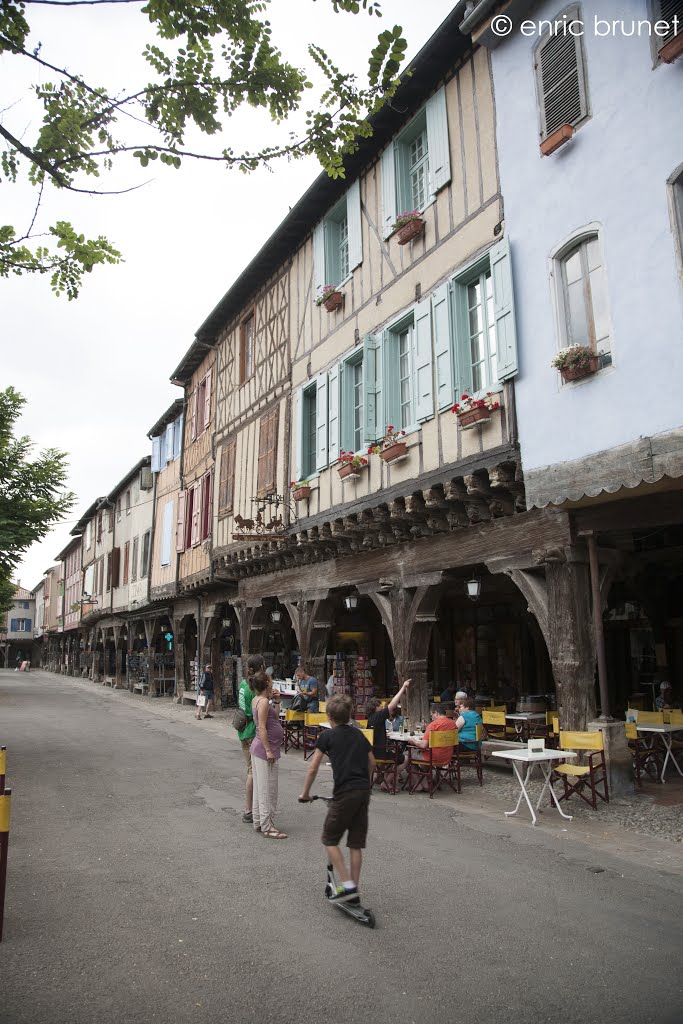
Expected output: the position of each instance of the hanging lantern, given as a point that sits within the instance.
(275, 615)
(473, 588)
(351, 602)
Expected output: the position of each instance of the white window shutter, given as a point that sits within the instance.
(299, 434)
(169, 443)
(437, 141)
(178, 436)
(156, 453)
(424, 386)
(504, 310)
(353, 219)
(442, 346)
(319, 258)
(333, 417)
(388, 190)
(321, 421)
(167, 533)
(372, 388)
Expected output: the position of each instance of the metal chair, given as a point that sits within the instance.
(591, 776)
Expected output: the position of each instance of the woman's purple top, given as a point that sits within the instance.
(274, 730)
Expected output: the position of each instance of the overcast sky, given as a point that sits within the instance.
(96, 370)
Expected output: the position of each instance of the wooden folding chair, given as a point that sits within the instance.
(294, 724)
(591, 776)
(470, 758)
(312, 723)
(495, 726)
(552, 726)
(646, 758)
(424, 770)
(650, 717)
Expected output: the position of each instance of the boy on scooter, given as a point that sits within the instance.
(353, 764)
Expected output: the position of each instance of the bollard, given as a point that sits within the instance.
(3, 767)
(5, 802)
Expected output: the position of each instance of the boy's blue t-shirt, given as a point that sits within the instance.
(347, 749)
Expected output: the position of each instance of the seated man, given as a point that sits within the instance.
(449, 692)
(308, 686)
(440, 721)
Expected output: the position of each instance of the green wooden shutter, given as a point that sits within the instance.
(353, 217)
(333, 417)
(462, 376)
(299, 434)
(391, 383)
(424, 385)
(441, 314)
(346, 406)
(319, 258)
(504, 310)
(321, 421)
(372, 388)
(437, 142)
(388, 190)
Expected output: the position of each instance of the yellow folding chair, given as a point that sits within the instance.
(424, 770)
(294, 724)
(650, 717)
(592, 775)
(312, 723)
(470, 757)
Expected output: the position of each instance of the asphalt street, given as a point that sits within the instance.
(136, 893)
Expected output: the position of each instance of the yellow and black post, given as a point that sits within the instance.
(3, 766)
(5, 802)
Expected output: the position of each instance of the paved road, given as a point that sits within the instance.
(137, 895)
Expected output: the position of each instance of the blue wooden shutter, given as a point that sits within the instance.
(321, 421)
(13, 626)
(504, 310)
(437, 142)
(391, 383)
(333, 416)
(299, 434)
(388, 190)
(424, 385)
(462, 369)
(442, 346)
(156, 454)
(372, 387)
(353, 219)
(27, 625)
(319, 258)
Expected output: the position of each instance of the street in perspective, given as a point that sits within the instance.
(341, 512)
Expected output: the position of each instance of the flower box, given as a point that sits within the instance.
(570, 373)
(394, 452)
(469, 417)
(673, 49)
(556, 139)
(348, 470)
(413, 229)
(333, 301)
(301, 493)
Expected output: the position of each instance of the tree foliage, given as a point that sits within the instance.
(208, 60)
(32, 496)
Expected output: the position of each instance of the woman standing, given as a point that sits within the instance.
(245, 697)
(265, 755)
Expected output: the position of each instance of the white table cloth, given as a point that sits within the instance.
(666, 732)
(543, 758)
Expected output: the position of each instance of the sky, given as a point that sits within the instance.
(95, 371)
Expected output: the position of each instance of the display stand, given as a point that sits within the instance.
(352, 676)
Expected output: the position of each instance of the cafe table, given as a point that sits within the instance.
(544, 759)
(524, 721)
(666, 733)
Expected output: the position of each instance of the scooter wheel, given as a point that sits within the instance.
(370, 919)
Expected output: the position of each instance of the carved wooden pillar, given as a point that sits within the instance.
(150, 626)
(312, 621)
(250, 640)
(179, 642)
(118, 675)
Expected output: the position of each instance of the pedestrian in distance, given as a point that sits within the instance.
(18, 660)
(353, 765)
(265, 757)
(205, 691)
(245, 697)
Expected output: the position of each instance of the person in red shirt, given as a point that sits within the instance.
(440, 720)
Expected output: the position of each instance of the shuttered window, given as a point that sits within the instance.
(226, 486)
(144, 561)
(670, 11)
(115, 568)
(181, 530)
(206, 492)
(338, 241)
(126, 562)
(246, 348)
(267, 457)
(134, 561)
(308, 432)
(560, 75)
(167, 533)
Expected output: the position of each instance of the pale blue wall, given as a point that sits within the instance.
(613, 172)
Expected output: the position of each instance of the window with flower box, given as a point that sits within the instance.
(580, 285)
(338, 241)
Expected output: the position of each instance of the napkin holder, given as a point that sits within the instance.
(536, 746)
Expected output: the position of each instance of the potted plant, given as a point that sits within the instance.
(575, 362)
(556, 139)
(330, 297)
(351, 465)
(409, 225)
(301, 489)
(390, 447)
(475, 410)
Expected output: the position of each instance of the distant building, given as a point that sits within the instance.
(16, 639)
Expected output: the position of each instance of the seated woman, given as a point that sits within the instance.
(466, 723)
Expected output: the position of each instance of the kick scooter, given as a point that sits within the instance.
(361, 914)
